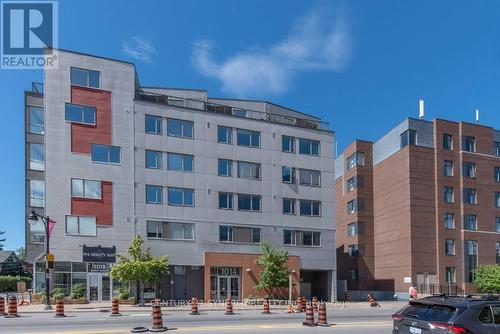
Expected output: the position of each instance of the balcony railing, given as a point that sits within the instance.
(230, 110)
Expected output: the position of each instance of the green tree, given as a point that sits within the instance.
(275, 272)
(140, 267)
(21, 253)
(487, 278)
(2, 240)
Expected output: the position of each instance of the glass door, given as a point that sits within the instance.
(105, 288)
(93, 288)
(223, 293)
(235, 288)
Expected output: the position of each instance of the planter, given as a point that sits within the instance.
(75, 301)
(130, 301)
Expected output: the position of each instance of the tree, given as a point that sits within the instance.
(140, 267)
(2, 240)
(275, 272)
(21, 253)
(487, 278)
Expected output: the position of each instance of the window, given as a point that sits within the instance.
(179, 128)
(181, 196)
(448, 168)
(80, 114)
(180, 162)
(248, 202)
(449, 221)
(81, 225)
(86, 188)
(355, 182)
(469, 143)
(470, 170)
(353, 274)
(470, 196)
(154, 229)
(470, 222)
(497, 199)
(288, 206)
(301, 238)
(154, 194)
(447, 141)
(154, 124)
(239, 112)
(355, 205)
(225, 167)
(225, 200)
(106, 153)
(485, 316)
(352, 229)
(37, 232)
(154, 159)
(310, 208)
(497, 174)
(356, 159)
(352, 250)
(409, 137)
(37, 156)
(224, 135)
(449, 247)
(83, 77)
(496, 147)
(248, 170)
(287, 174)
(308, 147)
(470, 259)
(288, 144)
(248, 138)
(497, 252)
(175, 101)
(239, 234)
(497, 224)
(37, 120)
(309, 177)
(451, 277)
(170, 230)
(37, 193)
(449, 196)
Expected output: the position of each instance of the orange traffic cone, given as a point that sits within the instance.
(309, 316)
(322, 316)
(229, 307)
(266, 307)
(12, 308)
(194, 306)
(157, 320)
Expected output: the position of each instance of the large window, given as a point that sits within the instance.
(224, 135)
(288, 144)
(355, 205)
(301, 238)
(447, 141)
(470, 259)
(249, 202)
(449, 247)
(470, 196)
(448, 168)
(225, 200)
(180, 162)
(80, 114)
(310, 208)
(497, 199)
(451, 277)
(354, 229)
(287, 174)
(497, 224)
(355, 159)
(106, 153)
(154, 159)
(179, 128)
(154, 194)
(449, 196)
(239, 234)
(470, 170)
(81, 225)
(248, 170)
(37, 232)
(248, 138)
(449, 221)
(37, 120)
(470, 222)
(170, 230)
(309, 177)
(288, 206)
(496, 174)
(308, 147)
(469, 143)
(83, 77)
(86, 188)
(496, 148)
(154, 124)
(409, 137)
(225, 167)
(37, 193)
(181, 196)
(37, 156)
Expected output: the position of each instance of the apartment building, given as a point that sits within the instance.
(421, 205)
(203, 180)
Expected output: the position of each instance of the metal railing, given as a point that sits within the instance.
(37, 87)
(231, 111)
(437, 289)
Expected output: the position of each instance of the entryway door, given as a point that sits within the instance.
(99, 287)
(228, 286)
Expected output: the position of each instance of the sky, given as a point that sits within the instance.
(360, 65)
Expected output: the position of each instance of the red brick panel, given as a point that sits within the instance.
(102, 208)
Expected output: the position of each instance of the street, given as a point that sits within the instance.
(343, 320)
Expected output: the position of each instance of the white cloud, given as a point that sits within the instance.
(318, 41)
(139, 48)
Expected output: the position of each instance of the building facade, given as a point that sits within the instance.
(203, 180)
(419, 206)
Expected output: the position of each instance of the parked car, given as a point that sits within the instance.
(449, 315)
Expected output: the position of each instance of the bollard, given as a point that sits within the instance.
(309, 316)
(59, 309)
(315, 304)
(299, 304)
(194, 306)
(115, 308)
(2, 305)
(266, 307)
(322, 316)
(229, 306)
(157, 320)
(12, 308)
(303, 303)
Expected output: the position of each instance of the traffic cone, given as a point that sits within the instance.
(12, 308)
(194, 306)
(229, 307)
(2, 305)
(322, 316)
(115, 308)
(315, 304)
(157, 320)
(309, 316)
(303, 303)
(298, 302)
(266, 307)
(372, 301)
(59, 309)
(347, 296)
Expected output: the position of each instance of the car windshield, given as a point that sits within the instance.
(425, 312)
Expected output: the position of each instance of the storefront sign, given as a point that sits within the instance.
(225, 271)
(99, 254)
(98, 267)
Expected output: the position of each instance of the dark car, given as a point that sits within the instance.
(449, 315)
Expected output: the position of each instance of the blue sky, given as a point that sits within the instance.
(360, 65)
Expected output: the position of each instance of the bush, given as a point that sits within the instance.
(487, 278)
(123, 293)
(78, 292)
(9, 283)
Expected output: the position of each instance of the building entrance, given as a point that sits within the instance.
(225, 282)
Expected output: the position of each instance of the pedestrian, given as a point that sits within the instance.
(412, 291)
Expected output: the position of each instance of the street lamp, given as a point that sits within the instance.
(33, 219)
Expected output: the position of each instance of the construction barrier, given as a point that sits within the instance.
(229, 307)
(322, 316)
(157, 319)
(2, 305)
(12, 308)
(115, 308)
(194, 306)
(299, 304)
(315, 304)
(309, 316)
(372, 301)
(303, 302)
(59, 309)
(347, 296)
(266, 309)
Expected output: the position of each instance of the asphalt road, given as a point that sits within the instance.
(343, 320)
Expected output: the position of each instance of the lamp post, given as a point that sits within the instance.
(33, 219)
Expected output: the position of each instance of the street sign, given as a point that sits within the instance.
(50, 257)
(49, 263)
